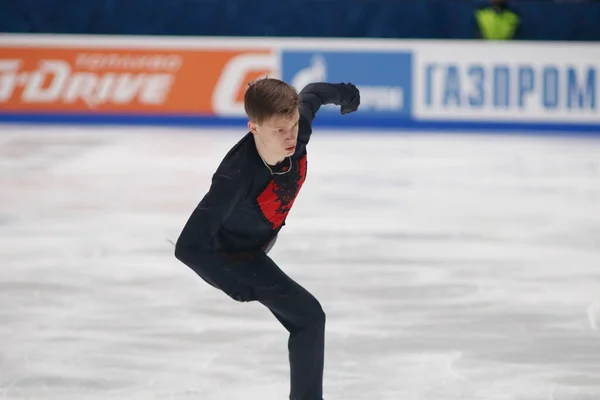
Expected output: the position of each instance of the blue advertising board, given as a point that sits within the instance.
(384, 79)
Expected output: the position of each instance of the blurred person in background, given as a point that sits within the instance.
(497, 21)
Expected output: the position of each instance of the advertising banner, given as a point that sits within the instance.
(385, 92)
(158, 81)
(403, 83)
(513, 81)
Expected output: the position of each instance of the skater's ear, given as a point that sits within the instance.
(253, 127)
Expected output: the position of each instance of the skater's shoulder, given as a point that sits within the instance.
(238, 161)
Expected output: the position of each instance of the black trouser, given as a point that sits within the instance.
(300, 313)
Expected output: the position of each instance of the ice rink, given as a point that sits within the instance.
(451, 267)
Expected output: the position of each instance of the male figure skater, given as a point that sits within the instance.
(227, 237)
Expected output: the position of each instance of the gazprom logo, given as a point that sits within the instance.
(515, 87)
(374, 97)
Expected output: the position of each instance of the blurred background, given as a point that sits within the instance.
(424, 19)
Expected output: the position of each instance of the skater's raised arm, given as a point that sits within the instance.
(314, 95)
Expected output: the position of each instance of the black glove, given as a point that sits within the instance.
(234, 285)
(243, 296)
(239, 290)
(350, 98)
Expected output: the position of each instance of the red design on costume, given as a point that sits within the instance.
(278, 197)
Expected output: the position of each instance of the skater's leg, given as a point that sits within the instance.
(301, 314)
(303, 317)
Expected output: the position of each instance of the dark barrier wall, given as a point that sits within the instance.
(426, 19)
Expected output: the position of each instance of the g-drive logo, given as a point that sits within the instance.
(234, 78)
(61, 81)
(383, 78)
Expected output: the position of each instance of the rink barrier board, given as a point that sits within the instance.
(200, 81)
(363, 125)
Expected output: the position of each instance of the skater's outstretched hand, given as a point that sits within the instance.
(350, 98)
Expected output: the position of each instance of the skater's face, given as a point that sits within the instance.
(277, 135)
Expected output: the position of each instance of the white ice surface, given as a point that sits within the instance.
(450, 268)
